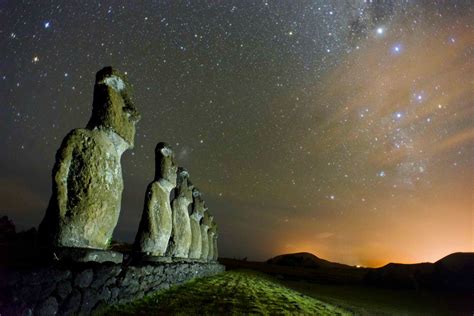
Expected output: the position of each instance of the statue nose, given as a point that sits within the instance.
(134, 115)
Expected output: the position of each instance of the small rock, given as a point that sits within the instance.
(64, 289)
(72, 303)
(114, 292)
(84, 278)
(48, 307)
(89, 300)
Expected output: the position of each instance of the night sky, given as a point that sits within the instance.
(345, 130)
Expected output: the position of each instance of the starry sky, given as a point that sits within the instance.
(341, 128)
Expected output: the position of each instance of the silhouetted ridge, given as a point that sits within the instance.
(453, 272)
(304, 259)
(457, 261)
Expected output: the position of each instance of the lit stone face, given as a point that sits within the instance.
(112, 107)
(180, 241)
(156, 223)
(215, 253)
(205, 224)
(211, 235)
(87, 176)
(198, 210)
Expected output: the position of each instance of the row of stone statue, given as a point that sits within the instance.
(87, 186)
(167, 229)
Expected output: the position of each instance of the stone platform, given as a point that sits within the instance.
(83, 288)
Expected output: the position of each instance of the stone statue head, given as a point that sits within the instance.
(213, 226)
(198, 204)
(112, 107)
(207, 219)
(184, 185)
(165, 165)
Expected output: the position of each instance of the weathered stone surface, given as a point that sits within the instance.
(72, 304)
(205, 224)
(105, 275)
(86, 255)
(215, 252)
(180, 240)
(156, 223)
(195, 218)
(48, 307)
(87, 176)
(90, 298)
(210, 234)
(63, 289)
(84, 279)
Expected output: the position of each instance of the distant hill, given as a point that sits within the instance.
(457, 261)
(305, 260)
(455, 271)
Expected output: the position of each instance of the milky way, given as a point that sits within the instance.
(341, 129)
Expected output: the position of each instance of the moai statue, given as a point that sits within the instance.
(215, 252)
(210, 234)
(87, 176)
(205, 224)
(195, 217)
(180, 240)
(156, 223)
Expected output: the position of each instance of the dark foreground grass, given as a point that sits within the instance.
(232, 292)
(362, 300)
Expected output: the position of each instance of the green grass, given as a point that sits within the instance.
(232, 292)
(362, 300)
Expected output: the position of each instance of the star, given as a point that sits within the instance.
(397, 49)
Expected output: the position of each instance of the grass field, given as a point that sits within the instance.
(361, 300)
(238, 292)
(232, 292)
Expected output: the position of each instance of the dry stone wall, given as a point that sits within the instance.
(85, 288)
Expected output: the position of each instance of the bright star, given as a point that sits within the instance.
(47, 24)
(397, 49)
(380, 30)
